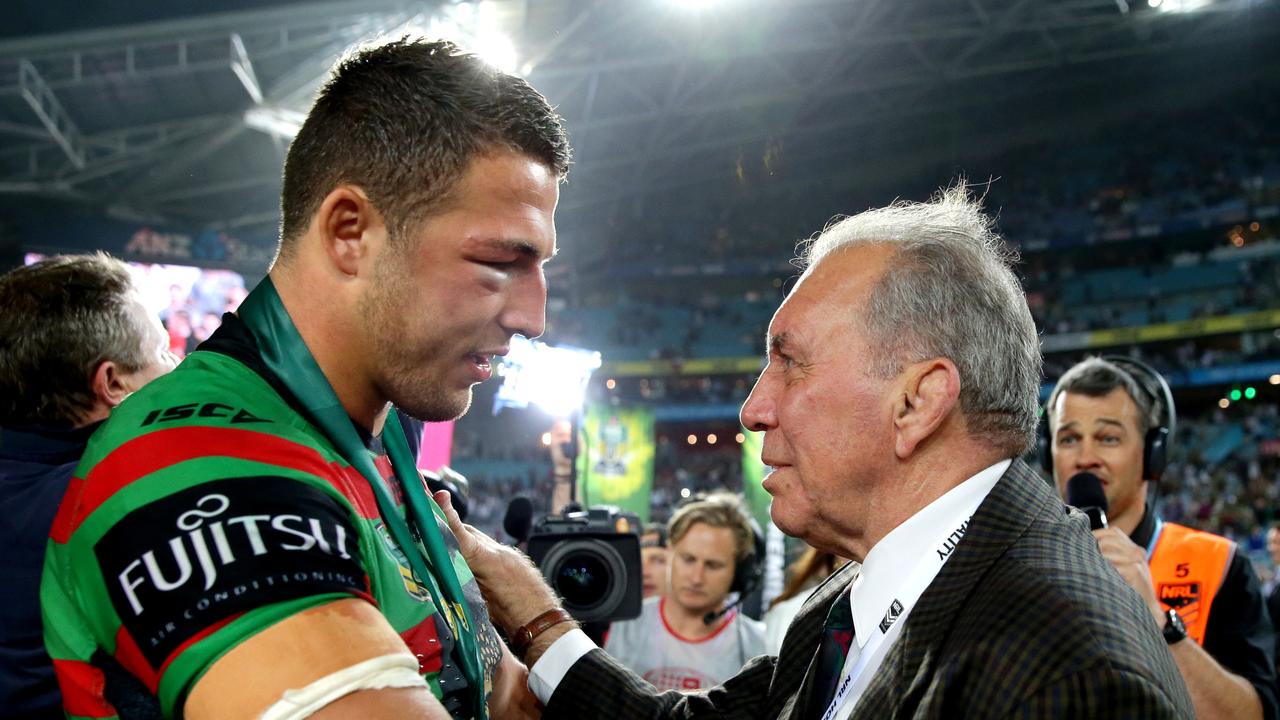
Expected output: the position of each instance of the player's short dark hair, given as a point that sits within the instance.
(402, 120)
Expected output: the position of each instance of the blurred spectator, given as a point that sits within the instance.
(75, 341)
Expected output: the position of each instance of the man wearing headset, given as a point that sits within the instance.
(690, 639)
(1112, 417)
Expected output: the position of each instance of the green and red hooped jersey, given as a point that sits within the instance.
(206, 509)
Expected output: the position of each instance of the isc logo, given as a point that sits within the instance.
(207, 410)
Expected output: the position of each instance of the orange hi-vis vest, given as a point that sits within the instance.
(1187, 569)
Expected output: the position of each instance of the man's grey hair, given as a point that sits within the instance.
(949, 291)
(63, 317)
(1096, 377)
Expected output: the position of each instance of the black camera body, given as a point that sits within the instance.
(592, 560)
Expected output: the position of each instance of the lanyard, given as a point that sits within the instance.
(285, 353)
(882, 637)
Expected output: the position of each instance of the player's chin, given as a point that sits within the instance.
(451, 404)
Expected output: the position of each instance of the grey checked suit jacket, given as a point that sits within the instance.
(1026, 620)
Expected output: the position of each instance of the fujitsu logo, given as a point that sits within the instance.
(210, 539)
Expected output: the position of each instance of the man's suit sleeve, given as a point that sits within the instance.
(1099, 693)
(597, 686)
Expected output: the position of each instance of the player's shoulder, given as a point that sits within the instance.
(212, 420)
(208, 401)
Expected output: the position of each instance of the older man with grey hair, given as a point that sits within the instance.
(900, 388)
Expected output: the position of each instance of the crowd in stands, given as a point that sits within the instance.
(1115, 233)
(1224, 476)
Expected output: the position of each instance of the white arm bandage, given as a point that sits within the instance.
(388, 671)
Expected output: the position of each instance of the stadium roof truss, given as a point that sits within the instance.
(187, 120)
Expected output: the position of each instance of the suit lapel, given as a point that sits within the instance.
(1017, 498)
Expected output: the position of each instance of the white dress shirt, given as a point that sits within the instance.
(892, 572)
(898, 570)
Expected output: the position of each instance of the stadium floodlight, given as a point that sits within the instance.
(552, 378)
(497, 50)
(476, 27)
(1179, 6)
(693, 5)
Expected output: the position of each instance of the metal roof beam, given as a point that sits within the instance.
(211, 26)
(242, 66)
(51, 114)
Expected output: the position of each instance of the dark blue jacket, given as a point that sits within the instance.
(35, 465)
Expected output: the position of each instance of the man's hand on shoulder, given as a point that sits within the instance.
(1130, 560)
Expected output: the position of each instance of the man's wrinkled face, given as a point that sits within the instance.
(826, 416)
(1101, 435)
(448, 298)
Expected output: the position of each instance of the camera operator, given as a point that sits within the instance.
(691, 639)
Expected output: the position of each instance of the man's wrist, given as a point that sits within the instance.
(544, 642)
(523, 637)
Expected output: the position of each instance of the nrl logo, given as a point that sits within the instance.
(1179, 595)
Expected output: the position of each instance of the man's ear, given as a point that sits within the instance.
(349, 226)
(928, 392)
(110, 386)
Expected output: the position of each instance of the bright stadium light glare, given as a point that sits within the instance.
(694, 5)
(1180, 6)
(274, 121)
(552, 378)
(477, 28)
(497, 50)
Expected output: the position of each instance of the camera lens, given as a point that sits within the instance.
(589, 575)
(582, 579)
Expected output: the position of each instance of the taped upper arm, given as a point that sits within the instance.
(300, 650)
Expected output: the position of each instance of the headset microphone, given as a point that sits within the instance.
(748, 587)
(715, 615)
